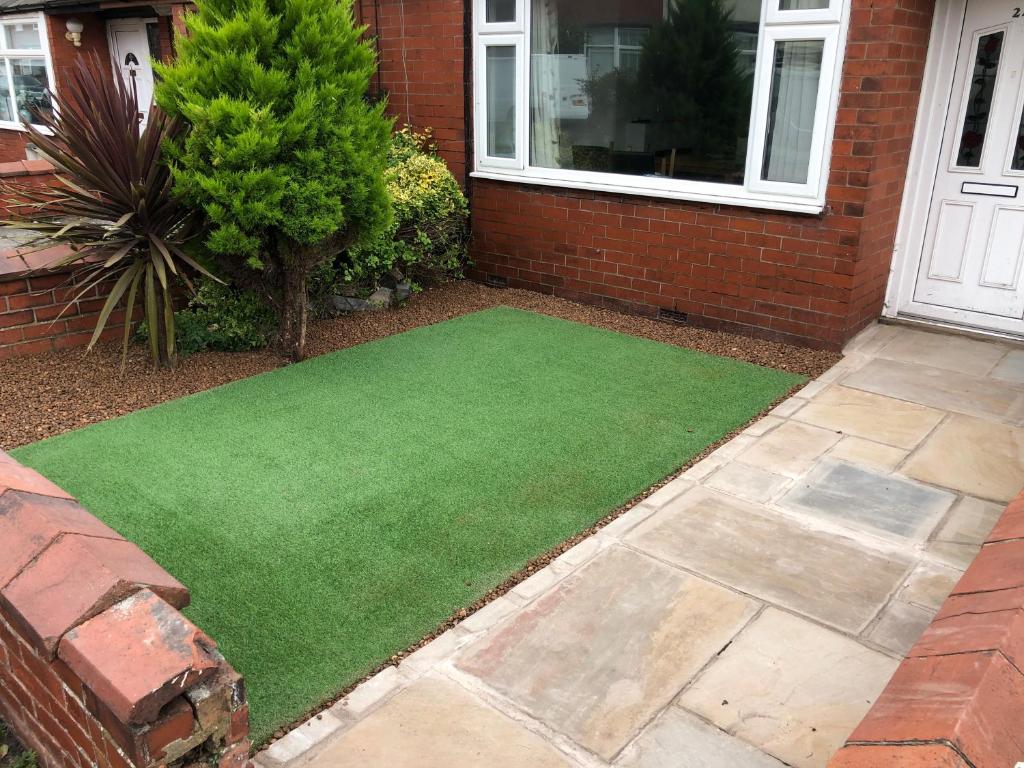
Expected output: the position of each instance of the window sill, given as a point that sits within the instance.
(741, 199)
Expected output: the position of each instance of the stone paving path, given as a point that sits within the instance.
(744, 616)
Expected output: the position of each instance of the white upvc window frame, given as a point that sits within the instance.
(43, 52)
(828, 24)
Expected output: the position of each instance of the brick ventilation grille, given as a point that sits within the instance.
(98, 667)
(957, 700)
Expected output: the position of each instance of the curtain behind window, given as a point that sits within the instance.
(544, 85)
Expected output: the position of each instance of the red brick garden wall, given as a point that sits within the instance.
(957, 700)
(811, 279)
(97, 665)
(422, 54)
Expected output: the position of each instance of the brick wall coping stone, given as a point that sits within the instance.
(98, 667)
(957, 700)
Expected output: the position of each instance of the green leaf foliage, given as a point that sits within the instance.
(428, 234)
(284, 156)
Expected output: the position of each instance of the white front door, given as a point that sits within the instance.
(970, 270)
(129, 49)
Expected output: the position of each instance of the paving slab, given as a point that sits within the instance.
(1011, 367)
(883, 419)
(748, 482)
(858, 450)
(929, 585)
(869, 499)
(939, 388)
(817, 573)
(679, 739)
(600, 654)
(434, 723)
(790, 449)
(964, 530)
(979, 457)
(791, 688)
(900, 626)
(943, 350)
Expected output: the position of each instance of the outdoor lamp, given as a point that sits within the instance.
(74, 33)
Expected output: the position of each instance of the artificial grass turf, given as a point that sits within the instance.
(329, 514)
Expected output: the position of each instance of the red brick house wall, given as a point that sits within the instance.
(813, 279)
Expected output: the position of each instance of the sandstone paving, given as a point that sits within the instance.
(790, 687)
(790, 449)
(882, 419)
(976, 456)
(679, 739)
(943, 350)
(436, 724)
(596, 657)
(941, 389)
(858, 450)
(899, 626)
(818, 573)
(961, 534)
(1010, 368)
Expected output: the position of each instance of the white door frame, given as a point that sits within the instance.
(936, 94)
(140, 22)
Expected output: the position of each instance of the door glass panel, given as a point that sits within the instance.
(1017, 157)
(796, 74)
(979, 102)
(23, 35)
(501, 101)
(501, 11)
(802, 5)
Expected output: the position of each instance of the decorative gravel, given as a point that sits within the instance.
(56, 392)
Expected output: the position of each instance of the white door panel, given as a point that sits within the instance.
(971, 262)
(129, 49)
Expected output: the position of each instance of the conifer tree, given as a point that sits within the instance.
(284, 154)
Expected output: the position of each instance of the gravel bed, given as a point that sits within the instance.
(48, 394)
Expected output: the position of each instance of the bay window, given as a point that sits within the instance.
(24, 69)
(710, 100)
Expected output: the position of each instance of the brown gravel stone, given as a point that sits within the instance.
(56, 392)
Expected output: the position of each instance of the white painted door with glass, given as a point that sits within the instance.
(971, 263)
(129, 49)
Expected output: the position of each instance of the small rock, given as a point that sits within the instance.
(350, 304)
(403, 291)
(381, 297)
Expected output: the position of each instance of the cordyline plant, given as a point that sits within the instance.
(112, 202)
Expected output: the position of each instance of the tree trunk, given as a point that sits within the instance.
(291, 336)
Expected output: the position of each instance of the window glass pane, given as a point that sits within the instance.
(31, 88)
(501, 101)
(802, 5)
(23, 35)
(643, 87)
(1017, 160)
(6, 102)
(979, 102)
(796, 75)
(500, 11)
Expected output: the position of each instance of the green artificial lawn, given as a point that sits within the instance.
(329, 514)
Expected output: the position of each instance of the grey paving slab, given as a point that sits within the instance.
(943, 350)
(979, 457)
(679, 739)
(791, 688)
(1011, 367)
(868, 498)
(883, 419)
(939, 388)
(900, 626)
(817, 573)
(436, 724)
(600, 654)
